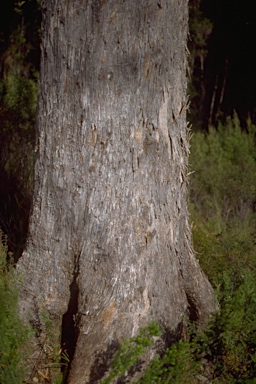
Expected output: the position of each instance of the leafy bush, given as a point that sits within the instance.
(131, 351)
(223, 197)
(177, 365)
(227, 348)
(13, 334)
(222, 205)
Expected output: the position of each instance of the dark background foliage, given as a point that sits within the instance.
(227, 71)
(19, 66)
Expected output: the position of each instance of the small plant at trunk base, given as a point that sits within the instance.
(229, 342)
(131, 351)
(223, 352)
(176, 366)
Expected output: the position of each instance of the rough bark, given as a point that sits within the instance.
(110, 246)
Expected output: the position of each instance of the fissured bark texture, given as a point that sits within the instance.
(110, 246)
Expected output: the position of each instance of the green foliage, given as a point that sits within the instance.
(18, 7)
(224, 164)
(223, 196)
(13, 334)
(176, 366)
(131, 350)
(222, 205)
(229, 342)
(20, 98)
(17, 119)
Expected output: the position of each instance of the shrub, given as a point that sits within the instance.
(228, 345)
(223, 196)
(177, 365)
(222, 205)
(130, 352)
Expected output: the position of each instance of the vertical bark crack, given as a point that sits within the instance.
(70, 328)
(192, 309)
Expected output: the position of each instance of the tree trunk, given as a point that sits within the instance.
(110, 246)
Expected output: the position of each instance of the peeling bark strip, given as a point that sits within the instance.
(110, 244)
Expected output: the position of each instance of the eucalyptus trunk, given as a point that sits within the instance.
(109, 247)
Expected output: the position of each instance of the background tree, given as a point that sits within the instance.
(200, 29)
(109, 245)
(228, 73)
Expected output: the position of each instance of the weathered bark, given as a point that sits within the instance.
(110, 246)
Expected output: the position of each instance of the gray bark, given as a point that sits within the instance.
(110, 246)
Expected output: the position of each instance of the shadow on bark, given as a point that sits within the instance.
(102, 363)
